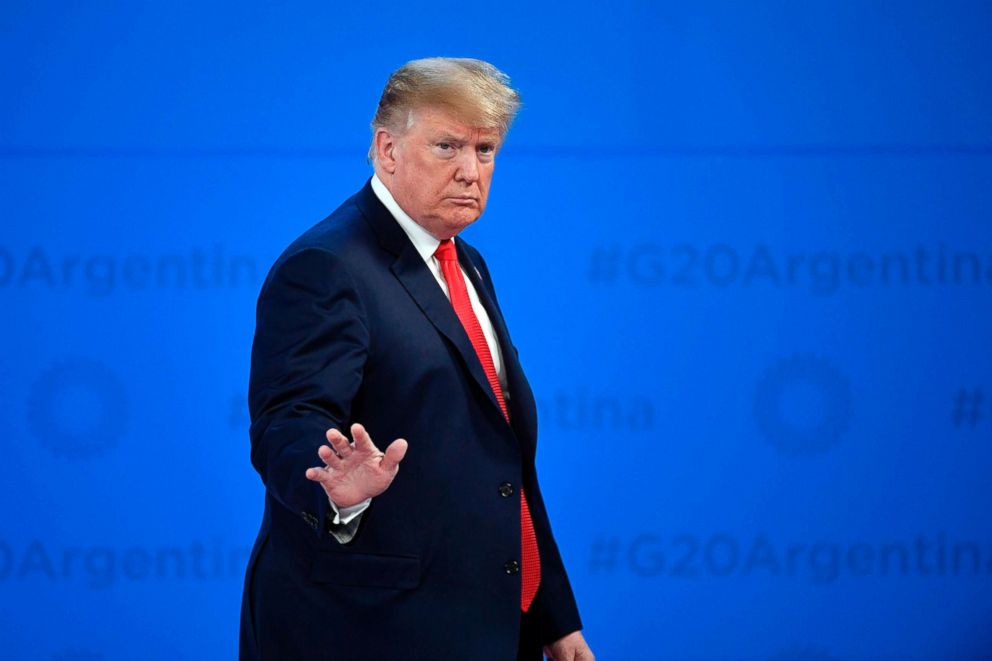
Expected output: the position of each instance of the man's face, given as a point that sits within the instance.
(438, 170)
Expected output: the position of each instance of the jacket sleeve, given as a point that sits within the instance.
(555, 606)
(308, 356)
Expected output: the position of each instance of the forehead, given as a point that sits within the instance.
(437, 121)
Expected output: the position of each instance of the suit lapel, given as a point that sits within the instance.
(521, 398)
(419, 282)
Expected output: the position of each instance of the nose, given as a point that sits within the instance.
(468, 167)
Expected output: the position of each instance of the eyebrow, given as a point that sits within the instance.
(450, 137)
(461, 140)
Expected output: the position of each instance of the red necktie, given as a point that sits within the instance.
(530, 559)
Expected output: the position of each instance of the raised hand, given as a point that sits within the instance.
(353, 472)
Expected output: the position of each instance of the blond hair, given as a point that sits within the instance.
(472, 91)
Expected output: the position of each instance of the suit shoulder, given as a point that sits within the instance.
(342, 229)
(335, 240)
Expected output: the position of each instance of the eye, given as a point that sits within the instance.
(445, 149)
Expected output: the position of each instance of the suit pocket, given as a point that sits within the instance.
(399, 572)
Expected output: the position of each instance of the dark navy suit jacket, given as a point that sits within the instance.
(353, 327)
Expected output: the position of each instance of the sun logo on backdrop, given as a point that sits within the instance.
(802, 405)
(77, 409)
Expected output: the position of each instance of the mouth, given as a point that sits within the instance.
(464, 201)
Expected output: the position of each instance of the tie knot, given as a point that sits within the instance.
(446, 251)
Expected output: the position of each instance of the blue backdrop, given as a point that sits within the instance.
(744, 248)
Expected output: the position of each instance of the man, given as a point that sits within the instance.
(379, 323)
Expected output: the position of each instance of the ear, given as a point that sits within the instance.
(385, 149)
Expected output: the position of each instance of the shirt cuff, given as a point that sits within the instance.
(346, 514)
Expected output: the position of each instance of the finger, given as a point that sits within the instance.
(321, 475)
(394, 455)
(363, 441)
(333, 433)
(329, 458)
(339, 442)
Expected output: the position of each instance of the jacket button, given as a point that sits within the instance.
(506, 489)
(511, 567)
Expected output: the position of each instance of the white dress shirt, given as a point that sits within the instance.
(426, 244)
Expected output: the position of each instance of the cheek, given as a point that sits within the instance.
(484, 184)
(439, 185)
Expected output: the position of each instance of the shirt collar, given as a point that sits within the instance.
(422, 240)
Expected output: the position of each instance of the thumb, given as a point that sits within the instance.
(394, 455)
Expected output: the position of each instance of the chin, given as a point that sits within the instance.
(456, 224)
